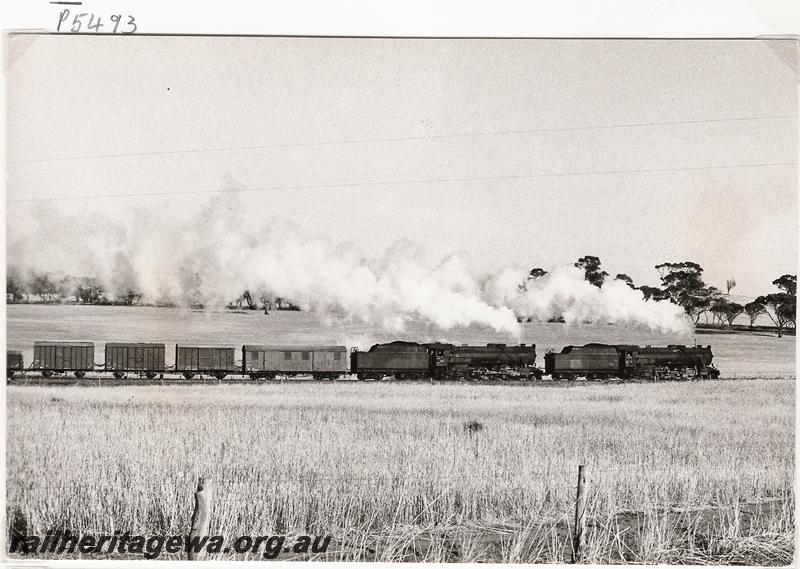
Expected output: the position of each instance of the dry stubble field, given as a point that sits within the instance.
(686, 472)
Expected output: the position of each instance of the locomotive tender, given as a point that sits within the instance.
(404, 360)
(400, 359)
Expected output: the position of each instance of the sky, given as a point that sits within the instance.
(509, 152)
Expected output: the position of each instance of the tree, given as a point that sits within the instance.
(536, 273)
(781, 307)
(653, 293)
(753, 310)
(717, 311)
(43, 286)
(683, 284)
(778, 308)
(729, 284)
(626, 279)
(789, 311)
(129, 297)
(247, 299)
(89, 290)
(726, 311)
(66, 288)
(733, 310)
(787, 283)
(591, 270)
(15, 285)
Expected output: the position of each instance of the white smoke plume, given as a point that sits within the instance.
(565, 293)
(210, 258)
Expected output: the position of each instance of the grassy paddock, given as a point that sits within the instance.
(692, 472)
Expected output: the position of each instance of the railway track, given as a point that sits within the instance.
(106, 381)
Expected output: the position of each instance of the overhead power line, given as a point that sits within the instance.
(398, 139)
(407, 182)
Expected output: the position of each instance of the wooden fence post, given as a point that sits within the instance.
(579, 535)
(201, 515)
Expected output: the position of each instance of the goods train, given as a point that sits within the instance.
(401, 360)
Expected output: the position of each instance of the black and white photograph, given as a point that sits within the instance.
(399, 299)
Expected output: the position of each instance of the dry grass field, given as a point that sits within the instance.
(688, 472)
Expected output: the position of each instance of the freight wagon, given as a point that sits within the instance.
(190, 360)
(60, 357)
(13, 363)
(403, 360)
(321, 362)
(123, 358)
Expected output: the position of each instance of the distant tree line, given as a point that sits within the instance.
(66, 288)
(265, 303)
(60, 289)
(682, 284)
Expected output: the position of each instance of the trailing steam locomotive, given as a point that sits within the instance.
(399, 359)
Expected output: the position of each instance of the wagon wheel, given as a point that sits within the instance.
(188, 374)
(220, 375)
(119, 374)
(80, 374)
(47, 373)
(150, 374)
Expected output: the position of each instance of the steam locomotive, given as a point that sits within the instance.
(399, 359)
(409, 360)
(596, 361)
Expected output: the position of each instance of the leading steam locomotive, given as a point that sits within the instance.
(600, 361)
(399, 359)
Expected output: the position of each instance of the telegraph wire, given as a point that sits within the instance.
(397, 139)
(403, 182)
